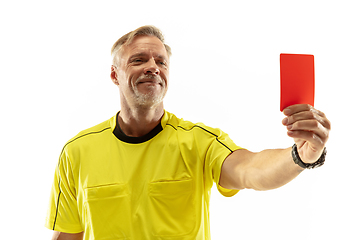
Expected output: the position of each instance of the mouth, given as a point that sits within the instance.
(148, 81)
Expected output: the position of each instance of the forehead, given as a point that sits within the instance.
(146, 45)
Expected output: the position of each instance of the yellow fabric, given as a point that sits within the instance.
(157, 189)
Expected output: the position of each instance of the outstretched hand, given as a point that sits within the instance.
(309, 128)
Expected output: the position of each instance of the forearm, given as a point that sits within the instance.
(265, 170)
(270, 169)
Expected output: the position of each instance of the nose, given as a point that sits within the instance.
(151, 67)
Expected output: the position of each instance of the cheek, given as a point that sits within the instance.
(129, 78)
(124, 81)
(134, 73)
(165, 76)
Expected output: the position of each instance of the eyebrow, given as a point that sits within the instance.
(137, 55)
(145, 54)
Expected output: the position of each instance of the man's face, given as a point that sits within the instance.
(142, 72)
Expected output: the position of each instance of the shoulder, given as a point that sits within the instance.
(184, 126)
(199, 133)
(98, 131)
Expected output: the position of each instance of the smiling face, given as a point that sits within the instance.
(141, 72)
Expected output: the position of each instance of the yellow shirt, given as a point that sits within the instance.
(112, 186)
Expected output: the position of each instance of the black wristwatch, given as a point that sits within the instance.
(298, 161)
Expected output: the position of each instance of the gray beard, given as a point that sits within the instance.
(149, 99)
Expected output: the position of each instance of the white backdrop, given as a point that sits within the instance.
(55, 66)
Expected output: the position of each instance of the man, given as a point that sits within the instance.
(146, 174)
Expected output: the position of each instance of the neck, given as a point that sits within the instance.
(140, 121)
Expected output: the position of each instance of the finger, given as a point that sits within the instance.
(310, 125)
(325, 121)
(298, 117)
(318, 112)
(297, 108)
(321, 117)
(305, 115)
(316, 142)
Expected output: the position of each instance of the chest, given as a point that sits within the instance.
(153, 161)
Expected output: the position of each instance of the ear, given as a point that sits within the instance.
(113, 75)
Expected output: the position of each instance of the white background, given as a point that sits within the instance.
(55, 66)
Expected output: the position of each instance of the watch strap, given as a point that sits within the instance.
(298, 161)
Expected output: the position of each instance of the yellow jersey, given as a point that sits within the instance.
(112, 186)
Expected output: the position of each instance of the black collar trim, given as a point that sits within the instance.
(122, 137)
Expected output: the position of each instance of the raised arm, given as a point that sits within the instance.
(270, 169)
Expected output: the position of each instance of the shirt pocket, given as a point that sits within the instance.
(172, 208)
(107, 211)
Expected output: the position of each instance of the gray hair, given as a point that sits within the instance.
(129, 37)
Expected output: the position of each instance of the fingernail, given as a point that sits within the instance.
(286, 111)
(285, 121)
(289, 127)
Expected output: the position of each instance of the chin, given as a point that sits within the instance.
(149, 99)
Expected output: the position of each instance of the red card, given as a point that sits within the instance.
(297, 79)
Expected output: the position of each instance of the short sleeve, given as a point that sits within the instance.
(63, 214)
(216, 173)
(220, 147)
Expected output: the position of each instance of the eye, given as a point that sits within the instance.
(163, 63)
(136, 61)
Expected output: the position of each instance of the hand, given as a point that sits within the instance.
(309, 128)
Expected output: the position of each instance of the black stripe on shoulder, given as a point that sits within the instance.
(58, 199)
(172, 126)
(86, 134)
(200, 128)
(224, 145)
(217, 137)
